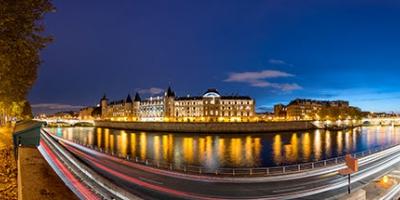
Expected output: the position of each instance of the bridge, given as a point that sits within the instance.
(71, 122)
(94, 174)
(385, 121)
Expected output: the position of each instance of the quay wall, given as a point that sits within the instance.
(209, 127)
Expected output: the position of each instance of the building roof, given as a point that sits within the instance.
(189, 98)
(222, 97)
(212, 92)
(116, 102)
(170, 93)
(96, 111)
(236, 97)
(137, 97)
(104, 97)
(321, 102)
(129, 99)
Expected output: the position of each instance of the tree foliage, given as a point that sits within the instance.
(342, 113)
(21, 39)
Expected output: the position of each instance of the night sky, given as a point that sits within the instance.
(274, 51)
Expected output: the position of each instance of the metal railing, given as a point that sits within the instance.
(260, 171)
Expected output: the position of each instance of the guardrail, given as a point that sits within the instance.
(261, 171)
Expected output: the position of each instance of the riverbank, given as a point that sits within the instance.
(210, 127)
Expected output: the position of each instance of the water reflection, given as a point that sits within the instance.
(233, 150)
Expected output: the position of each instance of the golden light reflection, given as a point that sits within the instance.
(111, 142)
(291, 150)
(236, 150)
(133, 144)
(165, 147)
(123, 143)
(170, 146)
(90, 137)
(143, 145)
(209, 150)
(69, 134)
(257, 147)
(317, 145)
(328, 144)
(202, 148)
(106, 138)
(277, 149)
(347, 141)
(354, 142)
(249, 150)
(221, 149)
(156, 147)
(306, 146)
(339, 141)
(188, 149)
(99, 134)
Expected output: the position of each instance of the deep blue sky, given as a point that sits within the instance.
(309, 49)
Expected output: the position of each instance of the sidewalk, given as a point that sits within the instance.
(382, 186)
(37, 180)
(385, 187)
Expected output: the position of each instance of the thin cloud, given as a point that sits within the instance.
(49, 108)
(56, 106)
(260, 79)
(264, 108)
(151, 91)
(278, 62)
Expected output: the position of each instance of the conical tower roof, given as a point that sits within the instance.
(129, 99)
(137, 97)
(170, 93)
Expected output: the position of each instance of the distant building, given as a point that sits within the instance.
(210, 107)
(280, 111)
(86, 113)
(90, 113)
(307, 109)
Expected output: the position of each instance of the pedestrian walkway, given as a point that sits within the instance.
(383, 188)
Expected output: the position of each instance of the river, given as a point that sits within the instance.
(233, 150)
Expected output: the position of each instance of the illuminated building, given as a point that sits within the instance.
(210, 107)
(307, 109)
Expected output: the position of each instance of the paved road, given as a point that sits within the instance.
(150, 184)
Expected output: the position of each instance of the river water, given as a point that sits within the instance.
(234, 150)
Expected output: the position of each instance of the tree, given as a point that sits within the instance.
(21, 40)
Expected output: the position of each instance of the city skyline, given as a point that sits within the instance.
(272, 51)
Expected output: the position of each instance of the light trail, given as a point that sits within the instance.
(332, 170)
(80, 190)
(143, 176)
(103, 184)
(139, 182)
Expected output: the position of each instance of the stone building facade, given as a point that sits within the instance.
(307, 109)
(210, 107)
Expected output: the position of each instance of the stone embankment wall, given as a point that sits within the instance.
(234, 127)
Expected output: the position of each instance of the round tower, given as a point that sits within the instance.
(103, 106)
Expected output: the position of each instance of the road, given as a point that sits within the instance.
(150, 183)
